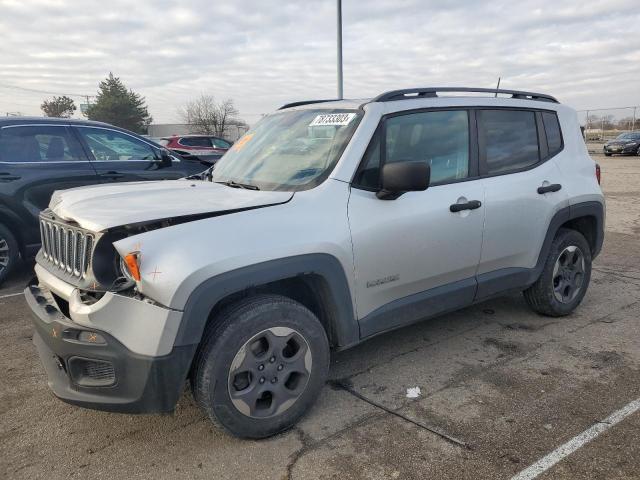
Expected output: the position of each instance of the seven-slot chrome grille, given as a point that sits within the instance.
(66, 247)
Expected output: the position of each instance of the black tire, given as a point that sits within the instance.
(558, 291)
(607, 154)
(260, 320)
(9, 252)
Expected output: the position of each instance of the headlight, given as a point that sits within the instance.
(125, 270)
(130, 266)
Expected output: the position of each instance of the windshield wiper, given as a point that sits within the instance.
(246, 186)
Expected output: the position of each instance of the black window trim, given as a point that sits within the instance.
(381, 129)
(80, 151)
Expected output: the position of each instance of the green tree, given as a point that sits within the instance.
(118, 106)
(62, 107)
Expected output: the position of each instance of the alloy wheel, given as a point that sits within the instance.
(269, 372)
(4, 254)
(568, 274)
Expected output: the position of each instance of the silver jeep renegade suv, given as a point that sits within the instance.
(327, 223)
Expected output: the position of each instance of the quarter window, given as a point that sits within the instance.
(38, 144)
(108, 144)
(510, 140)
(440, 138)
(552, 129)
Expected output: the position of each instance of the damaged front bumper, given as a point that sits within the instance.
(106, 355)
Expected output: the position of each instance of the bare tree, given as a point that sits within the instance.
(206, 116)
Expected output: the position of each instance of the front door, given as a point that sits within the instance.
(120, 157)
(414, 256)
(36, 160)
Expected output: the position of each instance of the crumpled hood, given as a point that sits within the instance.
(101, 207)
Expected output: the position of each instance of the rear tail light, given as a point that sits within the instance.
(598, 173)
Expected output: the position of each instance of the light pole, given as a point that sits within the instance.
(340, 92)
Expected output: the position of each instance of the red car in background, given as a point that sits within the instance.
(203, 147)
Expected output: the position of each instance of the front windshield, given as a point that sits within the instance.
(293, 150)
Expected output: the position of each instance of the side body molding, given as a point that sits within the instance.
(341, 316)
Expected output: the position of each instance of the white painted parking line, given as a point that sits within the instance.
(10, 295)
(576, 442)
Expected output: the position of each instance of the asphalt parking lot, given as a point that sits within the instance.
(510, 385)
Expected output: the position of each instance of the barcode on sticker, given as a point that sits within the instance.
(332, 119)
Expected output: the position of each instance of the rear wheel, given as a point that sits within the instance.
(261, 366)
(8, 252)
(565, 277)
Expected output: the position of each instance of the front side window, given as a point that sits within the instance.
(552, 129)
(440, 138)
(510, 140)
(290, 150)
(38, 144)
(108, 145)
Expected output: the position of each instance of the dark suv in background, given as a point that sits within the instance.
(624, 144)
(40, 155)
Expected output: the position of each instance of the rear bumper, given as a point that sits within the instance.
(102, 374)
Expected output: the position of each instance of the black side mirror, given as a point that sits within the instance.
(165, 159)
(401, 177)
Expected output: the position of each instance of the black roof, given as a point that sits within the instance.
(48, 120)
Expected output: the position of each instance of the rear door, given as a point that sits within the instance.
(120, 157)
(35, 160)
(516, 159)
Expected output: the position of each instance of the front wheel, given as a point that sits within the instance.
(8, 252)
(261, 365)
(565, 277)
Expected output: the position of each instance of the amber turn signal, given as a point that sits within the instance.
(132, 261)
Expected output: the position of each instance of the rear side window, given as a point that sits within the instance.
(510, 140)
(38, 144)
(552, 129)
(195, 142)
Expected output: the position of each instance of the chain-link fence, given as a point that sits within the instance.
(602, 124)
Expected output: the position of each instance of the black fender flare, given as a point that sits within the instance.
(204, 297)
(583, 209)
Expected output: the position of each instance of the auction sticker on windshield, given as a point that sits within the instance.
(331, 119)
(240, 143)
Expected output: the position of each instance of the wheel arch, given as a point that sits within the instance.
(15, 227)
(586, 218)
(318, 281)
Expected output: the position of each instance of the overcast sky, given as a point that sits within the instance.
(263, 53)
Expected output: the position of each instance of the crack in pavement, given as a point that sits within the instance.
(341, 384)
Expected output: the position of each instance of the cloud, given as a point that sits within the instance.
(266, 53)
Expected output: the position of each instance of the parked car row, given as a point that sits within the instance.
(40, 155)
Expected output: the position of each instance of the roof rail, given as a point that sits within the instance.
(307, 102)
(432, 92)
